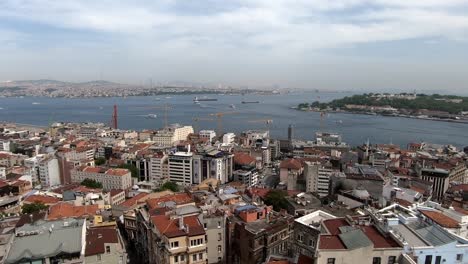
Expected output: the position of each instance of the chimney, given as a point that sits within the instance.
(187, 228)
(181, 223)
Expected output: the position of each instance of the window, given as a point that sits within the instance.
(194, 257)
(300, 237)
(196, 242)
(459, 257)
(376, 260)
(219, 224)
(311, 242)
(200, 256)
(428, 260)
(391, 260)
(438, 259)
(331, 261)
(108, 249)
(176, 259)
(98, 257)
(175, 244)
(182, 257)
(219, 249)
(219, 237)
(204, 225)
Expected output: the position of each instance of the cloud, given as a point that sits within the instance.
(259, 32)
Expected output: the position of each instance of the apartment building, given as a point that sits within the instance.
(109, 178)
(169, 136)
(158, 168)
(317, 176)
(212, 163)
(180, 168)
(49, 171)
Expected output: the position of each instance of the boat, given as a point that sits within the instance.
(157, 99)
(250, 102)
(36, 103)
(203, 99)
(151, 116)
(232, 106)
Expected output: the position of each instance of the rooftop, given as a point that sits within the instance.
(170, 227)
(440, 219)
(96, 238)
(66, 210)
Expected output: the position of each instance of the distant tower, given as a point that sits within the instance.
(290, 132)
(114, 118)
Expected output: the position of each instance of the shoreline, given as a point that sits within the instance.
(460, 121)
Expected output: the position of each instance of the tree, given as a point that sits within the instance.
(90, 183)
(33, 208)
(170, 186)
(277, 199)
(100, 161)
(132, 168)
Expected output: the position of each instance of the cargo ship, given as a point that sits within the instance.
(250, 102)
(204, 99)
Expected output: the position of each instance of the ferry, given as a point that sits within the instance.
(204, 99)
(250, 102)
(151, 116)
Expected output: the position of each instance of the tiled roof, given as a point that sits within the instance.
(96, 238)
(117, 172)
(134, 200)
(293, 164)
(170, 227)
(178, 198)
(303, 259)
(42, 199)
(440, 219)
(330, 242)
(114, 192)
(66, 210)
(93, 169)
(243, 159)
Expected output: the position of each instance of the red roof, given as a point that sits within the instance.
(377, 238)
(440, 219)
(96, 238)
(333, 225)
(241, 158)
(170, 227)
(117, 172)
(330, 242)
(41, 199)
(93, 169)
(293, 164)
(134, 200)
(66, 210)
(303, 259)
(178, 198)
(114, 192)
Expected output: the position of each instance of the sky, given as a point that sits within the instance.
(312, 44)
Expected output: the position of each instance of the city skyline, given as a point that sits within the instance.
(341, 45)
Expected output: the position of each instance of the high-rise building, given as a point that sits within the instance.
(49, 171)
(180, 167)
(317, 176)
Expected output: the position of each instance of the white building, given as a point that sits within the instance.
(317, 176)
(248, 178)
(169, 136)
(2, 173)
(49, 171)
(158, 168)
(208, 134)
(180, 168)
(229, 138)
(110, 178)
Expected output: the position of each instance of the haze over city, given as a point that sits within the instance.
(328, 45)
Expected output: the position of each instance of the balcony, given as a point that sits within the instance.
(201, 247)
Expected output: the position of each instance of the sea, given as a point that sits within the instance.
(133, 113)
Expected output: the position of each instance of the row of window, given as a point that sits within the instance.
(375, 260)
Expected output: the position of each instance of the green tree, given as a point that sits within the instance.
(100, 161)
(170, 186)
(90, 183)
(132, 168)
(34, 207)
(277, 199)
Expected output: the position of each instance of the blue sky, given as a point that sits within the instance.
(317, 44)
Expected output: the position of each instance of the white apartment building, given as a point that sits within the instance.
(169, 136)
(49, 171)
(158, 168)
(180, 168)
(249, 178)
(208, 134)
(109, 178)
(317, 176)
(2, 173)
(229, 138)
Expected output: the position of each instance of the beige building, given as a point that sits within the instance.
(169, 136)
(104, 246)
(109, 178)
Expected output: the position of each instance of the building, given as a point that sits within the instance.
(212, 163)
(256, 233)
(208, 135)
(179, 240)
(109, 178)
(229, 138)
(247, 177)
(65, 242)
(117, 196)
(49, 171)
(355, 240)
(180, 168)
(168, 136)
(159, 168)
(104, 245)
(441, 175)
(307, 232)
(214, 224)
(317, 177)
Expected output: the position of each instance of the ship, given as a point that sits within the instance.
(204, 99)
(151, 116)
(250, 102)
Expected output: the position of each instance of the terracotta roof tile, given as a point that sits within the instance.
(293, 164)
(48, 200)
(139, 198)
(440, 219)
(170, 227)
(96, 238)
(66, 210)
(178, 198)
